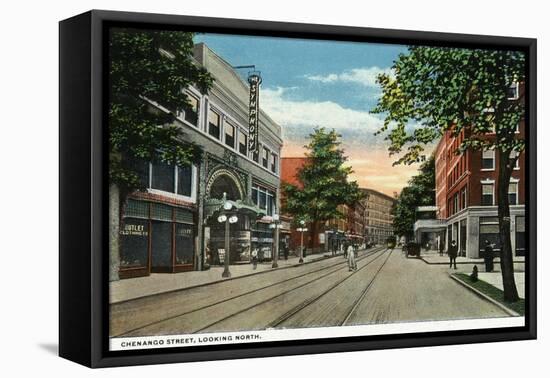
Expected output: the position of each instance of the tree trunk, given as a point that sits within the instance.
(506, 257)
(114, 234)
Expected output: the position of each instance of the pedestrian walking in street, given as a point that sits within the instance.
(352, 263)
(489, 266)
(346, 245)
(453, 252)
(254, 258)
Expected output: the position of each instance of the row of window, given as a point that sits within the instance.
(458, 201)
(488, 193)
(168, 178)
(228, 133)
(264, 198)
(488, 160)
(457, 171)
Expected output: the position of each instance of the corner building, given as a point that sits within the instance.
(466, 193)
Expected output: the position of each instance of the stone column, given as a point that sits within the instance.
(114, 228)
(201, 193)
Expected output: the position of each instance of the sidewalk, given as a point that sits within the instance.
(433, 257)
(156, 283)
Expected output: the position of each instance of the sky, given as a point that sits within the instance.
(332, 84)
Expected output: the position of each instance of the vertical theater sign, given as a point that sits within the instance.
(254, 79)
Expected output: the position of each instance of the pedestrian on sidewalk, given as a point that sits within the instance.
(285, 251)
(453, 252)
(441, 248)
(489, 266)
(352, 263)
(254, 258)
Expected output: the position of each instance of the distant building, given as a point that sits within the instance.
(466, 193)
(332, 233)
(378, 217)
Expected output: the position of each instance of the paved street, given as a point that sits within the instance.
(387, 287)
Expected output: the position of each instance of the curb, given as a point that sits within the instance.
(323, 257)
(484, 296)
(463, 262)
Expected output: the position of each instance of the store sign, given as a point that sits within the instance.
(253, 111)
(133, 230)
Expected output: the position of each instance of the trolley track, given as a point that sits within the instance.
(312, 300)
(331, 269)
(364, 292)
(295, 309)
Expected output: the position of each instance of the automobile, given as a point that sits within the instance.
(412, 249)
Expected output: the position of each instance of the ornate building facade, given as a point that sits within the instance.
(173, 225)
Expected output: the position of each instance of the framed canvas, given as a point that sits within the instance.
(236, 188)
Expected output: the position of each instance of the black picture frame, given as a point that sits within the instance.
(83, 196)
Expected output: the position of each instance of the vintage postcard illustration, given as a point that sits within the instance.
(268, 188)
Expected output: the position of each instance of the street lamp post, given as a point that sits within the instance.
(301, 229)
(276, 225)
(228, 219)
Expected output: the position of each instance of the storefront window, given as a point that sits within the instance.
(185, 247)
(488, 231)
(134, 237)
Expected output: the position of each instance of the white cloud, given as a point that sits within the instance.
(308, 114)
(363, 76)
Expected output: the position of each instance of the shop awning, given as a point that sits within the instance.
(214, 205)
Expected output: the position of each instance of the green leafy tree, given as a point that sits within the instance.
(325, 182)
(419, 192)
(453, 89)
(149, 66)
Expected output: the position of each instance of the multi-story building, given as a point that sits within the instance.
(466, 193)
(356, 223)
(173, 225)
(378, 217)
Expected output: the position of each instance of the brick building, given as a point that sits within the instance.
(331, 234)
(466, 190)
